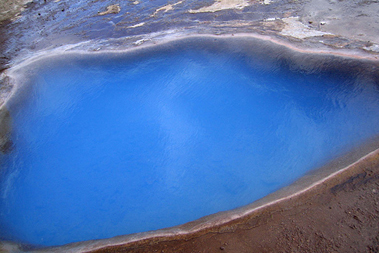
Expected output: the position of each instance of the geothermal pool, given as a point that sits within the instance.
(106, 146)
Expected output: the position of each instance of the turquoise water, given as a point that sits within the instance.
(115, 146)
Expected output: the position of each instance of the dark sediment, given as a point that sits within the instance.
(5, 130)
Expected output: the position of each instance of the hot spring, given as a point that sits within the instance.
(113, 144)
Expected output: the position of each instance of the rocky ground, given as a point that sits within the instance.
(27, 27)
(340, 215)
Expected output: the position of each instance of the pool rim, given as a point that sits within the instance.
(304, 184)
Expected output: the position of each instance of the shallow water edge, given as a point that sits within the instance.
(264, 50)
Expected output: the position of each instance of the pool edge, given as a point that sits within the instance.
(326, 176)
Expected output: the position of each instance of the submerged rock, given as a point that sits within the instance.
(5, 130)
(111, 9)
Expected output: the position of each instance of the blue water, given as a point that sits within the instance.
(124, 145)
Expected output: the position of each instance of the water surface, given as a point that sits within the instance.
(121, 145)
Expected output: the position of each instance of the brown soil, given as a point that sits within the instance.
(340, 215)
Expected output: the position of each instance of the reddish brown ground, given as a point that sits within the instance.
(341, 215)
